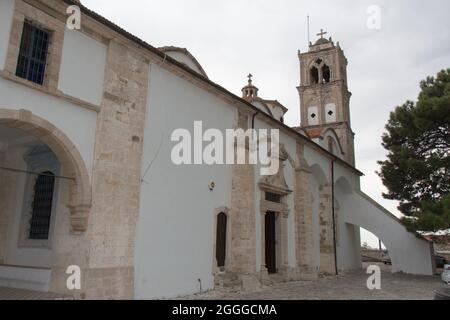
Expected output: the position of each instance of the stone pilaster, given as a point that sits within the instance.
(284, 263)
(6, 185)
(303, 218)
(105, 251)
(116, 174)
(327, 259)
(242, 213)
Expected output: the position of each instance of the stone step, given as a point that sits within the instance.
(227, 281)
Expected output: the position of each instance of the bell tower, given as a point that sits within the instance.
(324, 95)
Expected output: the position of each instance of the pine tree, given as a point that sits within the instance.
(417, 169)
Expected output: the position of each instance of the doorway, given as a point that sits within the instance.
(271, 242)
(221, 240)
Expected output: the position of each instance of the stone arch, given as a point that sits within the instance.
(319, 174)
(80, 195)
(343, 185)
(331, 134)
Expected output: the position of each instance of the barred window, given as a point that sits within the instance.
(33, 53)
(42, 206)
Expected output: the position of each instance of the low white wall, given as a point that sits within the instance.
(25, 278)
(408, 253)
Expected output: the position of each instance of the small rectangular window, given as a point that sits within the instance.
(273, 197)
(33, 53)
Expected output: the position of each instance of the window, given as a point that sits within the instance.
(314, 75)
(42, 206)
(33, 53)
(326, 74)
(221, 239)
(273, 197)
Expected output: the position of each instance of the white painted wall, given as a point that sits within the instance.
(25, 278)
(77, 123)
(277, 111)
(184, 58)
(6, 13)
(175, 233)
(83, 64)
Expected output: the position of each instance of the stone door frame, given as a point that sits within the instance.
(281, 211)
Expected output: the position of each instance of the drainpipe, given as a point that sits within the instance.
(333, 210)
(253, 119)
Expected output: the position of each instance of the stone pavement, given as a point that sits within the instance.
(347, 286)
(19, 294)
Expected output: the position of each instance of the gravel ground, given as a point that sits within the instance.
(347, 286)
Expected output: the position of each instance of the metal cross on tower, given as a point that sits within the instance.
(322, 33)
(250, 76)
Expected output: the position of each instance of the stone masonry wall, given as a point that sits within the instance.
(327, 259)
(303, 218)
(116, 174)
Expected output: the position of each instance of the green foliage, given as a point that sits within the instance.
(417, 169)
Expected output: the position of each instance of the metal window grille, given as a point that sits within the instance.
(42, 206)
(33, 53)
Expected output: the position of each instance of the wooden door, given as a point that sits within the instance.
(270, 242)
(221, 240)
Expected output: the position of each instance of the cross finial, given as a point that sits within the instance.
(250, 76)
(322, 33)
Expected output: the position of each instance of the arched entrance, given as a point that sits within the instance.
(46, 194)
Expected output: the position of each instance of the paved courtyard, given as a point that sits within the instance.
(347, 286)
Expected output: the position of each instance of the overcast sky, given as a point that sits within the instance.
(231, 38)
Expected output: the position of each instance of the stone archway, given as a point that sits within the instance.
(80, 195)
(409, 254)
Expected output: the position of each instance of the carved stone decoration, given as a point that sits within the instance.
(79, 217)
(277, 183)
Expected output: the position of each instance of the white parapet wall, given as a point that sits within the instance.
(409, 253)
(25, 278)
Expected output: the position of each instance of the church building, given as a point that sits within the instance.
(87, 182)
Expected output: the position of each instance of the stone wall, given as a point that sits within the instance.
(242, 213)
(7, 182)
(327, 258)
(116, 174)
(303, 218)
